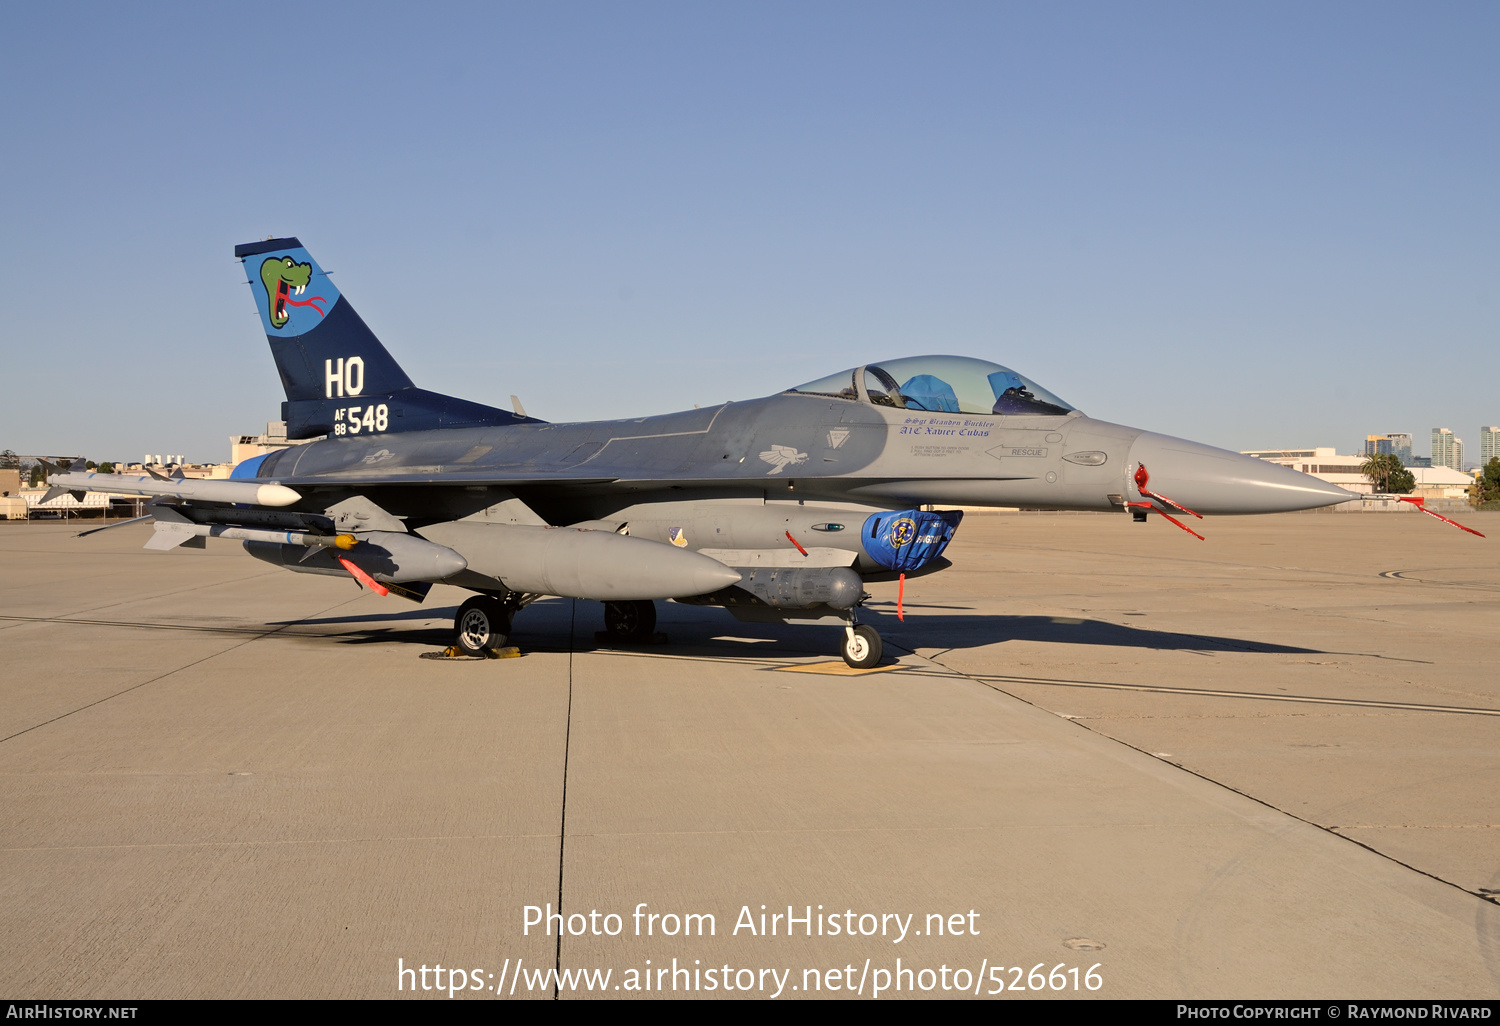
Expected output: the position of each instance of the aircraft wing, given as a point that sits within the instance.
(526, 477)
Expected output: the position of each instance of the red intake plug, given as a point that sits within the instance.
(1141, 478)
(1418, 503)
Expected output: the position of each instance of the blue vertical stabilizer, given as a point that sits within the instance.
(338, 378)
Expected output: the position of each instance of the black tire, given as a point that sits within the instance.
(630, 619)
(864, 649)
(482, 623)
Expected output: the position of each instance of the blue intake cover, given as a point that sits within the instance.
(908, 539)
(931, 394)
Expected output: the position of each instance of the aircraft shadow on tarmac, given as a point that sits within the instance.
(701, 630)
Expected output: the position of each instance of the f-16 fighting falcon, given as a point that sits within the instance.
(781, 508)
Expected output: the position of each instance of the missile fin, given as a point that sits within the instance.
(111, 527)
(168, 536)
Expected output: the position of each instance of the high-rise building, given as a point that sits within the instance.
(1401, 446)
(1447, 449)
(1398, 443)
(1489, 444)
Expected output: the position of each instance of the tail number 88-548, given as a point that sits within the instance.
(352, 420)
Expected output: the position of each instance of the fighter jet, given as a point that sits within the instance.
(777, 509)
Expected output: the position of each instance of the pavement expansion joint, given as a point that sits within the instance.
(616, 641)
(1357, 703)
(162, 676)
(994, 681)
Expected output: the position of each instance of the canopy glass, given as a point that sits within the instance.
(940, 384)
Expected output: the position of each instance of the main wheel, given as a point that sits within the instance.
(863, 648)
(482, 623)
(630, 619)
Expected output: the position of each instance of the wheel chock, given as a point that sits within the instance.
(454, 652)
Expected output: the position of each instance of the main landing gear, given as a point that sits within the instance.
(629, 621)
(483, 623)
(862, 647)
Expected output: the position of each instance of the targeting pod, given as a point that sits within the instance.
(822, 588)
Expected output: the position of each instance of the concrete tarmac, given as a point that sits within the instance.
(1263, 765)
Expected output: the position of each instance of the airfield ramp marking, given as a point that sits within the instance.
(839, 668)
(1400, 575)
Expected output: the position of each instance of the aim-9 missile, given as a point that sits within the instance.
(77, 480)
(385, 557)
(171, 533)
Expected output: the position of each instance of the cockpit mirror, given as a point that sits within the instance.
(882, 389)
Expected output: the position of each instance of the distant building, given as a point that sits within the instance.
(1447, 449)
(1323, 463)
(1397, 443)
(1489, 444)
(244, 447)
(1344, 471)
(193, 470)
(1441, 483)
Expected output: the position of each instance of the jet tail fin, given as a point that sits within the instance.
(337, 376)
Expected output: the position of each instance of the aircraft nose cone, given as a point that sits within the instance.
(1217, 481)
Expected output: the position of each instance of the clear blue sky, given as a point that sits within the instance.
(1254, 225)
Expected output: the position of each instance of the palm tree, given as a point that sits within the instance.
(1378, 467)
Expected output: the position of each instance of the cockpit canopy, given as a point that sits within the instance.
(940, 384)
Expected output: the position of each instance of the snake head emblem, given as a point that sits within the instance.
(284, 278)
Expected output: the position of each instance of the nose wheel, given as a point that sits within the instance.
(482, 623)
(862, 647)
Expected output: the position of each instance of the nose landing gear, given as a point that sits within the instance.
(862, 647)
